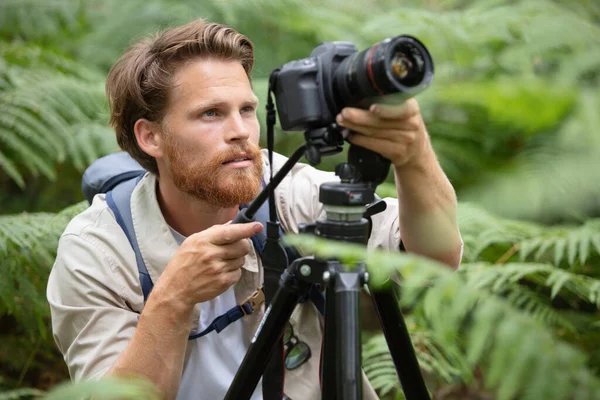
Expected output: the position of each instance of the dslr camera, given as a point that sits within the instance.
(310, 92)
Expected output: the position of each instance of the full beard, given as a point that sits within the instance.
(212, 182)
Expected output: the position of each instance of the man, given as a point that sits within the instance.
(183, 107)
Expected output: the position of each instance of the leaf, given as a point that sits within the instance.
(20, 393)
(572, 247)
(559, 250)
(106, 388)
(584, 247)
(11, 170)
(557, 279)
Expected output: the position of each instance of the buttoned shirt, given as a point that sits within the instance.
(96, 298)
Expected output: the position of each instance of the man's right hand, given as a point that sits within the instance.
(207, 263)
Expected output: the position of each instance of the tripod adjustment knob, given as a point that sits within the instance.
(346, 172)
(375, 208)
(313, 155)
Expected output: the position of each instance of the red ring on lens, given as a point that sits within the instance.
(370, 70)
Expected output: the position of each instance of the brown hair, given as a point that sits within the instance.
(138, 84)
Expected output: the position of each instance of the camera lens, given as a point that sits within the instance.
(397, 65)
(406, 69)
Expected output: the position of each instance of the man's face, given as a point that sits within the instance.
(212, 132)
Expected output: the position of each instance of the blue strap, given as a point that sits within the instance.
(224, 320)
(252, 303)
(119, 201)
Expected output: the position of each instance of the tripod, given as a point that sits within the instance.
(348, 206)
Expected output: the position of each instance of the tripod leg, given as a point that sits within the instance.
(347, 289)
(400, 345)
(347, 377)
(267, 336)
(328, 355)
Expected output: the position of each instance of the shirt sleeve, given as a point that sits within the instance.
(91, 306)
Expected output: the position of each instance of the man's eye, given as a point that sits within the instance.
(248, 109)
(210, 113)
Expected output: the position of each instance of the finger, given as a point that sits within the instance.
(231, 277)
(405, 110)
(233, 264)
(371, 124)
(374, 132)
(234, 250)
(225, 234)
(386, 148)
(364, 118)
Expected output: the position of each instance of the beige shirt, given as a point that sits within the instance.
(95, 295)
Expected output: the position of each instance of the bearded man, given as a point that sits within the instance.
(182, 105)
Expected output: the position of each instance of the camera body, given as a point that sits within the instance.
(310, 92)
(303, 88)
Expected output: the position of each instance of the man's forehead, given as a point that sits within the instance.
(210, 72)
(210, 78)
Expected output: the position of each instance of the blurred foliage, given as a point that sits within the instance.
(513, 114)
(106, 389)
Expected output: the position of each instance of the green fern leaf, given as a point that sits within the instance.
(11, 170)
(595, 239)
(594, 295)
(28, 127)
(542, 249)
(520, 373)
(27, 250)
(503, 353)
(51, 18)
(90, 141)
(537, 307)
(42, 117)
(573, 245)
(556, 280)
(559, 250)
(584, 247)
(21, 393)
(24, 152)
(480, 333)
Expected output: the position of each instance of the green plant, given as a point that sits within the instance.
(104, 389)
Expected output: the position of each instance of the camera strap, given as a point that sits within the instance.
(275, 261)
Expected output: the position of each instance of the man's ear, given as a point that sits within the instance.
(149, 137)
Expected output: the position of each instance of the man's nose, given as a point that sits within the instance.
(237, 129)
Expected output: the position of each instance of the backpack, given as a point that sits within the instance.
(117, 175)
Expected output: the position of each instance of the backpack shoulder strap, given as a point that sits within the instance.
(119, 201)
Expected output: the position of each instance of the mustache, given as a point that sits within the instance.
(250, 150)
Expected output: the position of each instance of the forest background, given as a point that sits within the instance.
(514, 117)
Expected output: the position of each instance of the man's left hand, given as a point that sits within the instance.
(396, 132)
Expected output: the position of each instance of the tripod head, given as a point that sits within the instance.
(350, 203)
